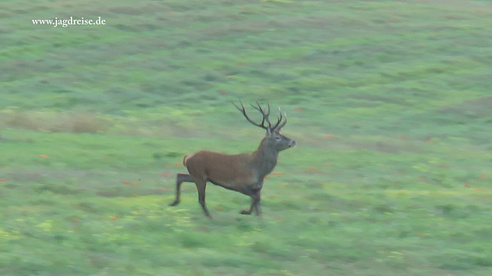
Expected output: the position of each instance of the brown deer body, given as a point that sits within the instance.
(243, 172)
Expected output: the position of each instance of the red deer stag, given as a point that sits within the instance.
(243, 172)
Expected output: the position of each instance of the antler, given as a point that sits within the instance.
(279, 125)
(259, 108)
(266, 117)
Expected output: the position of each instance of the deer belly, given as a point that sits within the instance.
(255, 186)
(238, 184)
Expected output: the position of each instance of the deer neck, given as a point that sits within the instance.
(264, 158)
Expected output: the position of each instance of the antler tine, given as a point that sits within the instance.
(240, 109)
(279, 125)
(284, 123)
(266, 115)
(243, 110)
(258, 107)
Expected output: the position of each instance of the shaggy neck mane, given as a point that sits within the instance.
(264, 158)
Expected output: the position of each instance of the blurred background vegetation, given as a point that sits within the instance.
(389, 101)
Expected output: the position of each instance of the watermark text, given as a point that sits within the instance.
(57, 22)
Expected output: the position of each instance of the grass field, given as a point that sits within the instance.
(390, 103)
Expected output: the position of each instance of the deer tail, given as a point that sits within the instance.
(184, 159)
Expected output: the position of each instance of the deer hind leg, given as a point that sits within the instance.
(201, 184)
(180, 178)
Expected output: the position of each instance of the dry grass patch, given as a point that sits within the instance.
(55, 121)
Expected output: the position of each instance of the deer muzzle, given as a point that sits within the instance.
(292, 144)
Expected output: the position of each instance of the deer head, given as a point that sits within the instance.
(273, 138)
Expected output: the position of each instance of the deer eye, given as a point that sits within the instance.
(277, 138)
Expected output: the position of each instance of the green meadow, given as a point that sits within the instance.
(390, 103)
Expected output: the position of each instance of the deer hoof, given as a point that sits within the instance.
(246, 212)
(176, 202)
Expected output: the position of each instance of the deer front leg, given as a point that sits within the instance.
(255, 203)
